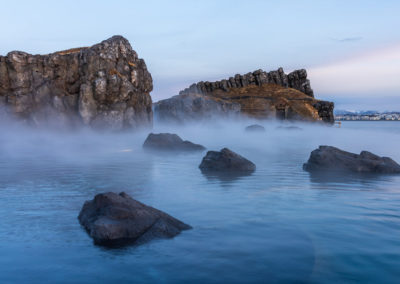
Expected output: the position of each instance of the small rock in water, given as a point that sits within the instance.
(328, 158)
(117, 219)
(289, 128)
(170, 142)
(226, 161)
(255, 128)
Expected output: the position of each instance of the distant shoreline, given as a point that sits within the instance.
(364, 120)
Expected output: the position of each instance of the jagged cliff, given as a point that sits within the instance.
(102, 86)
(260, 94)
(296, 80)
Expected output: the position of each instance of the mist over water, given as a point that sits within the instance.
(278, 224)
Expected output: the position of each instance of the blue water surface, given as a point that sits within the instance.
(278, 225)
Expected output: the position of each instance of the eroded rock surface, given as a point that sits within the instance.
(296, 80)
(118, 219)
(331, 159)
(102, 86)
(226, 161)
(170, 142)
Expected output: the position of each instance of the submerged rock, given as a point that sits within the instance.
(289, 128)
(255, 128)
(331, 159)
(170, 142)
(118, 219)
(226, 161)
(103, 86)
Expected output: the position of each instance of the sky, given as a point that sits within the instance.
(351, 49)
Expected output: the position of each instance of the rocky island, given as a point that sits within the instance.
(257, 94)
(102, 86)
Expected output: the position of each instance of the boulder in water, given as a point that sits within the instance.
(331, 159)
(289, 128)
(117, 219)
(170, 142)
(255, 128)
(226, 161)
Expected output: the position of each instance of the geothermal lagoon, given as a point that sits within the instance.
(278, 224)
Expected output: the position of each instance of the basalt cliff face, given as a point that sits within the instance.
(103, 86)
(259, 94)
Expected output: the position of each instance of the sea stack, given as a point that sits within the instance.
(104, 86)
(258, 94)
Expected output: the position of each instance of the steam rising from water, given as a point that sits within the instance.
(19, 141)
(280, 223)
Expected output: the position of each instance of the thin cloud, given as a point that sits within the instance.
(348, 39)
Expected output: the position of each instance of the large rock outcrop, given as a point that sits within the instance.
(117, 219)
(259, 94)
(102, 86)
(333, 160)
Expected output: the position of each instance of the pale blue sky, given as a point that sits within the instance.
(351, 48)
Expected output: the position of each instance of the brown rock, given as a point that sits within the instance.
(81, 86)
(259, 94)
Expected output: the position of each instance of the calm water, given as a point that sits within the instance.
(278, 225)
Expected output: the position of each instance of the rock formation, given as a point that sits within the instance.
(193, 107)
(225, 161)
(296, 80)
(102, 86)
(259, 94)
(170, 142)
(118, 219)
(331, 159)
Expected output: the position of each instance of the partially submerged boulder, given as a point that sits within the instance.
(226, 161)
(289, 128)
(255, 128)
(331, 159)
(118, 219)
(170, 142)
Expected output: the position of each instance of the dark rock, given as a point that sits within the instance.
(325, 111)
(226, 161)
(118, 219)
(328, 158)
(170, 142)
(102, 86)
(255, 128)
(193, 107)
(289, 128)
